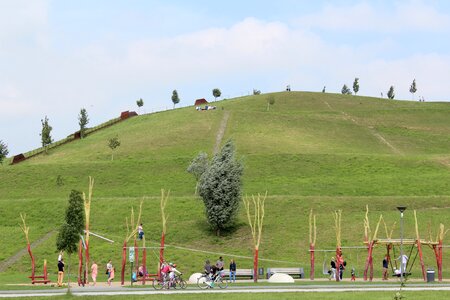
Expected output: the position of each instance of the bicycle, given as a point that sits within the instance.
(177, 282)
(205, 281)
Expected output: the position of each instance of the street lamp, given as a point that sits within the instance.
(401, 209)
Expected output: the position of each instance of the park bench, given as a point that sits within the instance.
(290, 271)
(239, 273)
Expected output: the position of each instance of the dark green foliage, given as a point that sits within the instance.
(70, 231)
(323, 90)
(140, 102)
(216, 93)
(3, 151)
(256, 92)
(83, 120)
(220, 188)
(345, 90)
(45, 134)
(390, 93)
(175, 98)
(356, 86)
(113, 143)
(413, 88)
(198, 166)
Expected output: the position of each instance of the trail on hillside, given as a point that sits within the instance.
(221, 131)
(371, 130)
(13, 259)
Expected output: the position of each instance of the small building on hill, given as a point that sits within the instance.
(200, 102)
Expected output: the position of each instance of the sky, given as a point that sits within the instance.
(57, 57)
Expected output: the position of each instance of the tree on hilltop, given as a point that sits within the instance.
(46, 138)
(390, 93)
(3, 151)
(83, 120)
(140, 103)
(345, 90)
(71, 230)
(175, 98)
(220, 188)
(216, 93)
(413, 88)
(356, 86)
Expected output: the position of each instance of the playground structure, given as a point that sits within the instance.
(372, 240)
(34, 278)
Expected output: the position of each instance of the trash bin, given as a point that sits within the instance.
(430, 275)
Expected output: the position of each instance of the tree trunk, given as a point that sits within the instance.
(311, 251)
(161, 249)
(255, 265)
(68, 274)
(124, 260)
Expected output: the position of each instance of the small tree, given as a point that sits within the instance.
(71, 230)
(413, 88)
(216, 93)
(175, 98)
(323, 90)
(3, 151)
(256, 92)
(197, 167)
(345, 90)
(220, 188)
(356, 86)
(83, 120)
(270, 101)
(391, 93)
(140, 103)
(45, 134)
(113, 143)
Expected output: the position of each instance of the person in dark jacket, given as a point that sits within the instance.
(232, 271)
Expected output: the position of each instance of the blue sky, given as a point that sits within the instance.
(59, 56)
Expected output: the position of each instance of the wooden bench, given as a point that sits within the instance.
(290, 271)
(239, 273)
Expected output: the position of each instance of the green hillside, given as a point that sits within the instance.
(311, 150)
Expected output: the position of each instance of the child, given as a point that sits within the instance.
(353, 274)
(111, 275)
(172, 271)
(140, 231)
(94, 272)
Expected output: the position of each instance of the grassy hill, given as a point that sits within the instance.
(311, 150)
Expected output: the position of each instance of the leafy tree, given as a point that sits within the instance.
(197, 167)
(413, 88)
(3, 151)
(175, 98)
(345, 90)
(113, 143)
(256, 92)
(83, 120)
(356, 86)
(270, 101)
(140, 103)
(216, 93)
(71, 230)
(323, 90)
(220, 188)
(45, 134)
(391, 93)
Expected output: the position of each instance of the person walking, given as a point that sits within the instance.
(111, 276)
(108, 268)
(94, 272)
(232, 271)
(60, 272)
(385, 267)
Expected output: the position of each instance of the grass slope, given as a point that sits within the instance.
(311, 150)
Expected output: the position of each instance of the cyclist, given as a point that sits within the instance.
(172, 271)
(165, 269)
(208, 268)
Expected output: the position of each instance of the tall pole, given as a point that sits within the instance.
(401, 209)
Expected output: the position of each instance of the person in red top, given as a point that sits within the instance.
(165, 269)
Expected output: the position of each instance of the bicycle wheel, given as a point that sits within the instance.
(203, 282)
(158, 284)
(180, 283)
(223, 284)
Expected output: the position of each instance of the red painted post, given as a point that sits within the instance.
(311, 251)
(86, 271)
(144, 264)
(136, 254)
(255, 265)
(422, 264)
(161, 249)
(33, 266)
(80, 261)
(124, 260)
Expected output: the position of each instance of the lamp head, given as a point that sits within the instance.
(401, 208)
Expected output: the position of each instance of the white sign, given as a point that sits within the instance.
(131, 254)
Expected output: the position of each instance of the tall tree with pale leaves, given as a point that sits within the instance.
(413, 88)
(175, 98)
(220, 188)
(3, 151)
(83, 120)
(46, 137)
(356, 86)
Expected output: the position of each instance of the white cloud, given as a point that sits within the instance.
(362, 17)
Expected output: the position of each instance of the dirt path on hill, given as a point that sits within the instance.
(13, 259)
(221, 131)
(372, 131)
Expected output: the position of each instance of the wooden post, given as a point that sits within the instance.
(256, 224)
(164, 217)
(337, 227)
(124, 261)
(87, 212)
(419, 247)
(80, 263)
